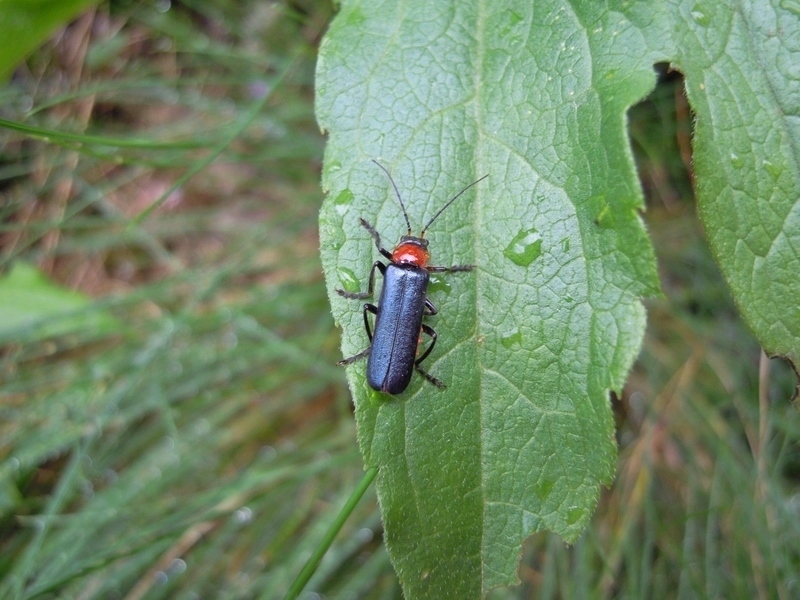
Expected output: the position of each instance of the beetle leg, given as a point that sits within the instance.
(370, 286)
(377, 237)
(374, 310)
(430, 309)
(453, 269)
(430, 377)
(349, 361)
(431, 332)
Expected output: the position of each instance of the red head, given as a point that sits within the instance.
(411, 250)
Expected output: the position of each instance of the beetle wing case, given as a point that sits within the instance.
(397, 328)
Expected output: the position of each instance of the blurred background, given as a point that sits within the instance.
(172, 420)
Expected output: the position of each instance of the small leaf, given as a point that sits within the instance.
(28, 300)
(27, 23)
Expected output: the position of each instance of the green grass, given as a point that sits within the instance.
(202, 447)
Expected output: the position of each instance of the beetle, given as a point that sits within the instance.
(403, 303)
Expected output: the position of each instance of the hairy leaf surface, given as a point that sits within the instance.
(532, 341)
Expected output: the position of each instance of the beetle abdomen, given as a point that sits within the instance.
(397, 328)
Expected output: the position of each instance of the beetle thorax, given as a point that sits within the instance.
(411, 250)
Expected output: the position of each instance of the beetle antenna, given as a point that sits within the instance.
(453, 199)
(396, 191)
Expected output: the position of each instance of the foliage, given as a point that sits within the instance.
(174, 424)
(535, 95)
(27, 23)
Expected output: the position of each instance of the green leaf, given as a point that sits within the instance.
(531, 342)
(27, 23)
(535, 95)
(28, 300)
(742, 66)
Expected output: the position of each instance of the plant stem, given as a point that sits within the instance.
(313, 562)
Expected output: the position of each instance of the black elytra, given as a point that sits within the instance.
(403, 303)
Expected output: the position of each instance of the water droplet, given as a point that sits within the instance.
(177, 566)
(604, 216)
(161, 578)
(511, 339)
(700, 17)
(439, 284)
(543, 489)
(574, 515)
(344, 197)
(348, 280)
(736, 161)
(524, 248)
(267, 453)
(365, 534)
(772, 169)
(243, 515)
(565, 245)
(332, 167)
(342, 201)
(332, 230)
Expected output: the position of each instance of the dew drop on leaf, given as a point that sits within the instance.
(334, 231)
(773, 169)
(736, 161)
(524, 248)
(511, 339)
(439, 283)
(699, 16)
(342, 200)
(348, 279)
(574, 515)
(344, 197)
(543, 489)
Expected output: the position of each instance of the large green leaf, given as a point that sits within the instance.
(535, 95)
(742, 66)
